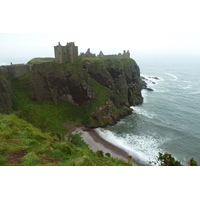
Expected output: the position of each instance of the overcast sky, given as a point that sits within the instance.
(31, 28)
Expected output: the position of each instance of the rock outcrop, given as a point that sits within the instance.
(6, 96)
(104, 89)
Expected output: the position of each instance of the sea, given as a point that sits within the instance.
(169, 118)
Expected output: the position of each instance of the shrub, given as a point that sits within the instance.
(192, 162)
(56, 154)
(77, 140)
(30, 159)
(2, 160)
(99, 153)
(166, 159)
(63, 146)
(108, 154)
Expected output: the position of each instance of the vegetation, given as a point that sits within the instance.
(40, 60)
(42, 115)
(23, 144)
(166, 159)
(33, 134)
(192, 162)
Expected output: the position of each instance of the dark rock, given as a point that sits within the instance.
(149, 89)
(6, 96)
(144, 84)
(143, 78)
(154, 77)
(105, 87)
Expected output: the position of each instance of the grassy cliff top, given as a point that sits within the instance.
(40, 60)
(23, 144)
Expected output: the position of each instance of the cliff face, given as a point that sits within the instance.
(104, 89)
(6, 97)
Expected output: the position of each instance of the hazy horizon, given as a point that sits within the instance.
(143, 27)
(16, 47)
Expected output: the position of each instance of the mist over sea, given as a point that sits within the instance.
(169, 118)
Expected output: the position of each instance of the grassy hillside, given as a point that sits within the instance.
(91, 92)
(41, 60)
(24, 145)
(47, 116)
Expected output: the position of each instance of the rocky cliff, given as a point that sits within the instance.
(6, 96)
(103, 89)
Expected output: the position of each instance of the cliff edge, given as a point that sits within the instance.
(6, 96)
(101, 91)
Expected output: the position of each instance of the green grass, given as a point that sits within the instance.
(40, 60)
(22, 144)
(47, 116)
(33, 134)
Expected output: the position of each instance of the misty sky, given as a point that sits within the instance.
(112, 26)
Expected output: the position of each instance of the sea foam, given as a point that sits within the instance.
(141, 111)
(175, 78)
(134, 145)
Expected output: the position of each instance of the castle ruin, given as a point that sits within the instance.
(68, 53)
(125, 55)
(87, 54)
(63, 54)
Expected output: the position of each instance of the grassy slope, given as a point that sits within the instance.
(40, 60)
(23, 144)
(42, 115)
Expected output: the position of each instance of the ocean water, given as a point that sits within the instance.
(169, 118)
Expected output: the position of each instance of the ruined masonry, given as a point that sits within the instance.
(63, 54)
(69, 53)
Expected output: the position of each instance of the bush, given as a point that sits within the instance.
(99, 153)
(77, 140)
(56, 154)
(30, 159)
(192, 162)
(64, 147)
(2, 160)
(166, 159)
(108, 154)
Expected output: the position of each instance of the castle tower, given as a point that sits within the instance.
(68, 53)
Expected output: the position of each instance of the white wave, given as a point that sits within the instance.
(141, 111)
(145, 95)
(121, 143)
(152, 78)
(173, 76)
(143, 148)
(121, 122)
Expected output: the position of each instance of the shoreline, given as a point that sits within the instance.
(95, 142)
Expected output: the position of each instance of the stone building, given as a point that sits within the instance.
(126, 54)
(87, 54)
(68, 53)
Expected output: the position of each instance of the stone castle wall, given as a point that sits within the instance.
(88, 54)
(68, 53)
(15, 71)
(125, 55)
